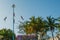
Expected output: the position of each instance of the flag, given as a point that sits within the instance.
(5, 18)
(13, 17)
(13, 14)
(22, 18)
(13, 20)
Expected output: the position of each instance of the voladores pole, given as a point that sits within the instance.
(13, 6)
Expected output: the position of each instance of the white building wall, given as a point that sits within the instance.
(54, 38)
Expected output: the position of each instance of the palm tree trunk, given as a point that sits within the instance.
(36, 36)
(41, 36)
(52, 35)
(58, 38)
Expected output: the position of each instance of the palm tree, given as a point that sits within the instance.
(34, 25)
(42, 26)
(38, 25)
(51, 22)
(7, 34)
(58, 19)
(58, 27)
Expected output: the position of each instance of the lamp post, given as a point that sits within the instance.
(13, 6)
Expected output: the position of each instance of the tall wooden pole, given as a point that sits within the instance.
(13, 6)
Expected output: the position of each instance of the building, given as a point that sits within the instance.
(26, 37)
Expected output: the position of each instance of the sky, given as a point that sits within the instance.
(26, 8)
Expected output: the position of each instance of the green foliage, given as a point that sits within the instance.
(35, 25)
(7, 34)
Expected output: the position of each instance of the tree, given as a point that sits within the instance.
(34, 25)
(41, 26)
(58, 19)
(58, 27)
(51, 22)
(7, 34)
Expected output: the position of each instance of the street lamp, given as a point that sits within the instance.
(13, 6)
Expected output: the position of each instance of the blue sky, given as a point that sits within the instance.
(27, 8)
